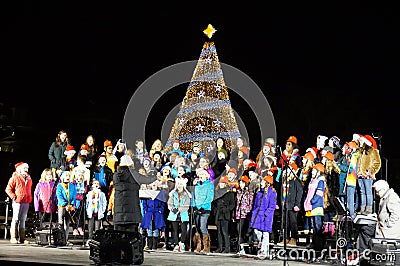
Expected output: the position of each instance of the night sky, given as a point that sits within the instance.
(328, 70)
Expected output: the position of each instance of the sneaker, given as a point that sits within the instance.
(75, 232)
(176, 248)
(182, 248)
(241, 252)
(261, 255)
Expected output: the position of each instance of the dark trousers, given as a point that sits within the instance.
(364, 234)
(291, 224)
(175, 231)
(223, 233)
(93, 226)
(242, 228)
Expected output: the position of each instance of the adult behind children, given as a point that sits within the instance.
(57, 151)
(19, 189)
(127, 180)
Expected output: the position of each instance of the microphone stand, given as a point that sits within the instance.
(50, 245)
(284, 223)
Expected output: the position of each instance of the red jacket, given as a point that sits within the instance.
(20, 188)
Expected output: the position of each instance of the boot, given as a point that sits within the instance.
(368, 210)
(292, 242)
(362, 210)
(149, 245)
(218, 250)
(197, 242)
(155, 242)
(22, 236)
(206, 243)
(14, 236)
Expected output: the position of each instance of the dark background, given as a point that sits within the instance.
(325, 69)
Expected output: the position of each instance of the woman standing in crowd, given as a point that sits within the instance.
(19, 190)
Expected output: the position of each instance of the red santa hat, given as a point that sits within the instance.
(365, 140)
(313, 151)
(20, 165)
(372, 140)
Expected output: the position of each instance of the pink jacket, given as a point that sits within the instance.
(45, 192)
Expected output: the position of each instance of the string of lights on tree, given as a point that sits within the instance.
(206, 112)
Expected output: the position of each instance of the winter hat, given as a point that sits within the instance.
(313, 151)
(69, 149)
(270, 141)
(309, 156)
(252, 167)
(245, 178)
(107, 143)
(232, 170)
(294, 166)
(381, 185)
(372, 140)
(336, 141)
(84, 147)
(363, 139)
(224, 179)
(353, 145)
(62, 174)
(183, 181)
(269, 179)
(329, 155)
(356, 137)
(292, 139)
(20, 165)
(120, 141)
(125, 160)
(320, 167)
(244, 149)
(177, 140)
(165, 166)
(224, 152)
(147, 159)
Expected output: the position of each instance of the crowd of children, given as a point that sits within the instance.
(243, 195)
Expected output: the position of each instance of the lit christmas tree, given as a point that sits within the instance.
(205, 113)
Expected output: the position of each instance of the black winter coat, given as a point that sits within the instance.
(127, 183)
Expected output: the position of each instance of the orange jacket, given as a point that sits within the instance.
(20, 188)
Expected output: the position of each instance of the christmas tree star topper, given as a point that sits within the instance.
(209, 31)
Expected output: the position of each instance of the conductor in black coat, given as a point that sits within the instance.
(127, 181)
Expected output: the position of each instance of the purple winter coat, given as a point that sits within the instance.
(262, 215)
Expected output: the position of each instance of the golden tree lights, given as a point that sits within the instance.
(206, 112)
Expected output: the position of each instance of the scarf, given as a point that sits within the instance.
(95, 201)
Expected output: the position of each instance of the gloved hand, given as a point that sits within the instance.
(109, 215)
(296, 209)
(174, 210)
(201, 210)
